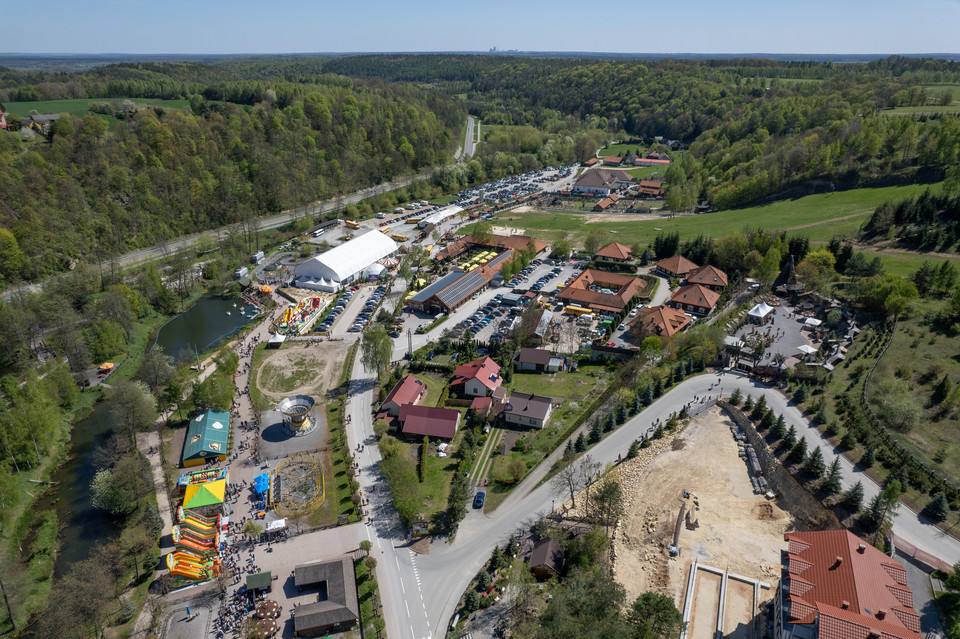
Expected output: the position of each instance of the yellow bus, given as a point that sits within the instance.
(396, 237)
(350, 224)
(414, 220)
(385, 230)
(576, 310)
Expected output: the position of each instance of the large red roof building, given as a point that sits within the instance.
(601, 291)
(477, 379)
(836, 586)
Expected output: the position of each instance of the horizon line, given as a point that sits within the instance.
(487, 52)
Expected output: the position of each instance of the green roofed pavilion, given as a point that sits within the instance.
(207, 437)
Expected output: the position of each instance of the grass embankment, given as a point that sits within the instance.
(371, 622)
(904, 372)
(340, 484)
(819, 217)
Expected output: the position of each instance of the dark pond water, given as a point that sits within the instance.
(211, 319)
(84, 527)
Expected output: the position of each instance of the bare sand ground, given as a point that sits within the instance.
(324, 360)
(738, 530)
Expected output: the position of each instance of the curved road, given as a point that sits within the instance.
(420, 592)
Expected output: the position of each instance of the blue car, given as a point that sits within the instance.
(478, 500)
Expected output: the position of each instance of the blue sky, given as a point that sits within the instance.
(694, 26)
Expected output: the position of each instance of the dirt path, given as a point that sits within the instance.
(833, 219)
(737, 530)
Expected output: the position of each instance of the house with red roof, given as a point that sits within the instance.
(408, 390)
(614, 252)
(662, 320)
(436, 423)
(591, 162)
(676, 266)
(612, 160)
(709, 276)
(695, 299)
(601, 291)
(477, 379)
(834, 585)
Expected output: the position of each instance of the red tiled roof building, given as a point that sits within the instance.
(836, 586)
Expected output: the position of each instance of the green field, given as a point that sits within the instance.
(935, 89)
(813, 215)
(644, 172)
(922, 110)
(79, 107)
(622, 149)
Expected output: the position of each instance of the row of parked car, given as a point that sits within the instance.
(334, 313)
(366, 315)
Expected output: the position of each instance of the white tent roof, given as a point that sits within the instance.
(374, 269)
(812, 321)
(348, 259)
(806, 348)
(440, 216)
(760, 310)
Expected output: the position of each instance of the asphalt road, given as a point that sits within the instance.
(469, 147)
(420, 594)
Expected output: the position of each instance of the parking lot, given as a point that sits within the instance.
(354, 310)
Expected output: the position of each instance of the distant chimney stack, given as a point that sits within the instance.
(837, 561)
(881, 614)
(862, 548)
(845, 604)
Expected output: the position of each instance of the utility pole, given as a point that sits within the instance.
(410, 343)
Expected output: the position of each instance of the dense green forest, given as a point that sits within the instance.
(927, 223)
(268, 133)
(752, 134)
(90, 191)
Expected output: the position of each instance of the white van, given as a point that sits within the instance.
(381, 215)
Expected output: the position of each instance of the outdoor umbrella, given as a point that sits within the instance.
(268, 609)
(269, 627)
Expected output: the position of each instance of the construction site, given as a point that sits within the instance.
(701, 535)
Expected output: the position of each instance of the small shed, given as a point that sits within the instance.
(259, 581)
(546, 560)
(206, 438)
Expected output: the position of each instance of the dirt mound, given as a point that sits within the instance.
(737, 530)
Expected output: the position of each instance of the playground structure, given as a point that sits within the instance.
(297, 320)
(297, 485)
(202, 476)
(197, 541)
(296, 414)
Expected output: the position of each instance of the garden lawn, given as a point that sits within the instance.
(622, 150)
(571, 386)
(644, 172)
(435, 386)
(922, 110)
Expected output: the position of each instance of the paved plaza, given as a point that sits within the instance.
(785, 332)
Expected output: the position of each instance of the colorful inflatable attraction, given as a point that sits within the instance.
(197, 539)
(297, 320)
(197, 535)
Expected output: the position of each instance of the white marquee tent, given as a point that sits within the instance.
(760, 312)
(341, 265)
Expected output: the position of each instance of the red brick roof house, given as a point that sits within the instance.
(408, 390)
(662, 320)
(676, 266)
(614, 252)
(836, 586)
(477, 379)
(586, 290)
(605, 203)
(709, 276)
(591, 162)
(696, 299)
(652, 188)
(612, 160)
(417, 421)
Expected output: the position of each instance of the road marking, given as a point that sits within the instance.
(408, 610)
